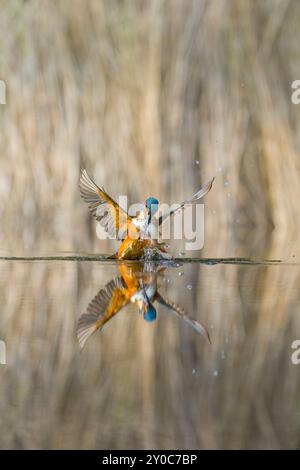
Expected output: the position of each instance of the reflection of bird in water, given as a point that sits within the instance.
(139, 234)
(138, 285)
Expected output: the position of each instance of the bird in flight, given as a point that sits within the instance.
(138, 234)
(138, 285)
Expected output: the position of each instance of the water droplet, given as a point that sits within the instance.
(216, 373)
(212, 327)
(167, 245)
(189, 287)
(197, 162)
(222, 355)
(182, 253)
(167, 280)
(226, 340)
(226, 183)
(220, 169)
(194, 371)
(181, 273)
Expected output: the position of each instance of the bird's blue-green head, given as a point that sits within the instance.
(152, 205)
(150, 314)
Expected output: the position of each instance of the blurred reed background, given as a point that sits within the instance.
(138, 92)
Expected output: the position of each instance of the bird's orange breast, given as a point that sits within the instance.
(132, 249)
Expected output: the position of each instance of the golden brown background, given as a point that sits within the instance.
(138, 92)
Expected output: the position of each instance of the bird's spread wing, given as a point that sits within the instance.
(107, 303)
(198, 195)
(180, 312)
(105, 209)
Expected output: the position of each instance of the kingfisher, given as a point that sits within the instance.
(138, 234)
(138, 285)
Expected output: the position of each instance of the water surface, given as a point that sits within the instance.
(150, 385)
